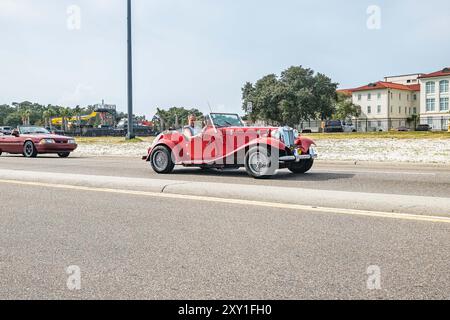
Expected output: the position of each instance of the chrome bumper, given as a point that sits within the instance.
(297, 158)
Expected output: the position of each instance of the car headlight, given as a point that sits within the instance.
(47, 141)
(276, 134)
(71, 141)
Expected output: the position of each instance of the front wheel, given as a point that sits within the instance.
(259, 163)
(301, 167)
(161, 160)
(63, 154)
(29, 150)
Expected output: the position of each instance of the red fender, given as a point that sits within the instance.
(304, 143)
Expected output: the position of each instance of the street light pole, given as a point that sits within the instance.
(130, 134)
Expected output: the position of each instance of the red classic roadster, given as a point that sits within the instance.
(31, 141)
(226, 143)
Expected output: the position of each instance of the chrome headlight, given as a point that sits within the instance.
(312, 150)
(276, 134)
(47, 141)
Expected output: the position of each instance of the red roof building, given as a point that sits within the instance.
(441, 73)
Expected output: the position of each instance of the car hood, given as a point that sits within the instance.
(46, 136)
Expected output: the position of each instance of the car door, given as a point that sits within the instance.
(11, 144)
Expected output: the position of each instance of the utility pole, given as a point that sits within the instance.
(130, 134)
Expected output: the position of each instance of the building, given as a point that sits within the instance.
(407, 79)
(387, 105)
(434, 99)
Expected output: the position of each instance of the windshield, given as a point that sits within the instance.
(226, 120)
(33, 130)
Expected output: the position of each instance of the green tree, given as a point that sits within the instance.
(175, 117)
(345, 108)
(298, 94)
(13, 119)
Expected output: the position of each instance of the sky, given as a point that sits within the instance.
(191, 53)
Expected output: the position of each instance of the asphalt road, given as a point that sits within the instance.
(407, 179)
(151, 247)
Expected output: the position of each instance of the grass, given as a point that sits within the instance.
(112, 140)
(380, 135)
(315, 136)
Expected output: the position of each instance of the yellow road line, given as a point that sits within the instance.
(353, 212)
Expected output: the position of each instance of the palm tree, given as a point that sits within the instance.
(25, 114)
(64, 113)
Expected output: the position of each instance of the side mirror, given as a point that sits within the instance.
(15, 133)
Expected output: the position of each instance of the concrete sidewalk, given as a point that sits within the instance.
(419, 205)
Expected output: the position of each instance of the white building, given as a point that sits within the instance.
(434, 99)
(407, 79)
(387, 105)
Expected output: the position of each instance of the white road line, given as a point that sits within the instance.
(352, 212)
(377, 172)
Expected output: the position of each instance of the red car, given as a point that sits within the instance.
(31, 141)
(226, 143)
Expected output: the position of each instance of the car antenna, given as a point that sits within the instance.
(209, 105)
(214, 126)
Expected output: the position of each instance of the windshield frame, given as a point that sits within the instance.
(32, 130)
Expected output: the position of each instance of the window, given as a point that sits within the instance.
(415, 97)
(369, 110)
(443, 86)
(415, 110)
(399, 96)
(359, 97)
(430, 87)
(369, 96)
(379, 109)
(379, 96)
(443, 104)
(431, 104)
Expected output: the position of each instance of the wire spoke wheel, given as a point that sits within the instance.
(161, 160)
(259, 163)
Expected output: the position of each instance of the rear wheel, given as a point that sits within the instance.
(258, 163)
(63, 154)
(161, 160)
(301, 167)
(29, 150)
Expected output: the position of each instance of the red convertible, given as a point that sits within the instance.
(226, 143)
(31, 141)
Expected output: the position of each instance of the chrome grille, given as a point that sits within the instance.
(288, 137)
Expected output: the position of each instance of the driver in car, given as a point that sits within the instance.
(191, 130)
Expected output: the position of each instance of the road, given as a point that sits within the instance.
(147, 245)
